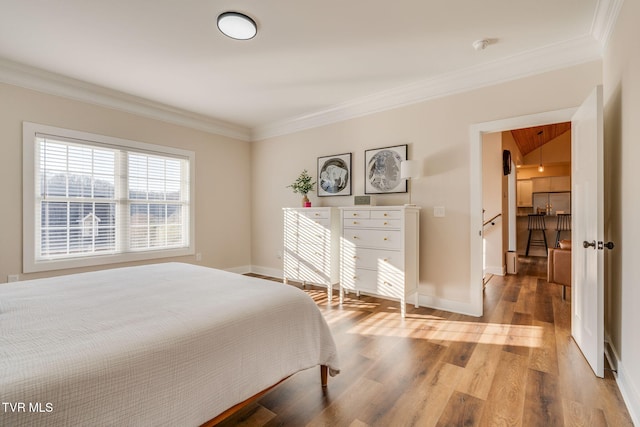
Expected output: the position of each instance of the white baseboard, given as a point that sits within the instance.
(446, 305)
(628, 390)
(629, 393)
(496, 271)
(267, 271)
(243, 269)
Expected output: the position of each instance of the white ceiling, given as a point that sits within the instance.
(311, 62)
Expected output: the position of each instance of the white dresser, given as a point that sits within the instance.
(379, 252)
(311, 246)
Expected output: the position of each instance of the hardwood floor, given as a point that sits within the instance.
(515, 366)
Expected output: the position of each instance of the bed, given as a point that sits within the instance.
(163, 344)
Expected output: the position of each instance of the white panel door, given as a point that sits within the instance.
(587, 288)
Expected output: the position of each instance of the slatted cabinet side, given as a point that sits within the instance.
(311, 246)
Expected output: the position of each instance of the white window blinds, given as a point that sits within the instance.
(106, 201)
(76, 200)
(157, 192)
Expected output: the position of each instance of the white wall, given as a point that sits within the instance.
(621, 79)
(510, 183)
(223, 171)
(437, 132)
(492, 203)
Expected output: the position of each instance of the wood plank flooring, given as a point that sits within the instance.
(515, 366)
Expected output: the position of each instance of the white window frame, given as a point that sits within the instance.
(30, 262)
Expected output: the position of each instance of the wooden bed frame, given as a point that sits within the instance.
(226, 414)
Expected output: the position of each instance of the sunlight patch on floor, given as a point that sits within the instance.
(438, 329)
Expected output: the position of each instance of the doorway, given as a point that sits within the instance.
(587, 267)
(533, 197)
(476, 194)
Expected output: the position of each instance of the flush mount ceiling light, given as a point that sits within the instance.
(237, 25)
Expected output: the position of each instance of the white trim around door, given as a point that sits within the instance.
(475, 173)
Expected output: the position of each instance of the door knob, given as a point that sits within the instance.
(609, 245)
(586, 244)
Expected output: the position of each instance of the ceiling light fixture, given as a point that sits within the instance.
(540, 168)
(237, 25)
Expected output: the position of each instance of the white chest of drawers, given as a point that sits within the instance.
(379, 252)
(311, 246)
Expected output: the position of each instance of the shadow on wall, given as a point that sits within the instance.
(613, 215)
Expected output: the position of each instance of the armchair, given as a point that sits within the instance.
(559, 266)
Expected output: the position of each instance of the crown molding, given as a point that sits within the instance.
(560, 55)
(40, 80)
(604, 20)
(557, 56)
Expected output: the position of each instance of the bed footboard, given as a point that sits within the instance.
(226, 414)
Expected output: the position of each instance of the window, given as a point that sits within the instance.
(91, 199)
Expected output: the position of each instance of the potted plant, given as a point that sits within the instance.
(303, 185)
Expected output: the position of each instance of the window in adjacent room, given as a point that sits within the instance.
(91, 199)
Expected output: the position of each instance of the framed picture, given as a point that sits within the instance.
(382, 170)
(334, 175)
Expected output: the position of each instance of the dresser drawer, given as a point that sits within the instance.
(360, 279)
(390, 285)
(372, 223)
(382, 239)
(307, 267)
(377, 259)
(307, 223)
(314, 235)
(355, 213)
(313, 253)
(320, 237)
(376, 282)
(314, 214)
(390, 214)
(314, 273)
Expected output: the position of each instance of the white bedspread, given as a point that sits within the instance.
(165, 344)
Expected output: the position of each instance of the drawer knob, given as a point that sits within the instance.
(386, 260)
(386, 214)
(355, 237)
(355, 222)
(317, 214)
(355, 214)
(385, 238)
(355, 257)
(355, 277)
(387, 283)
(386, 223)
